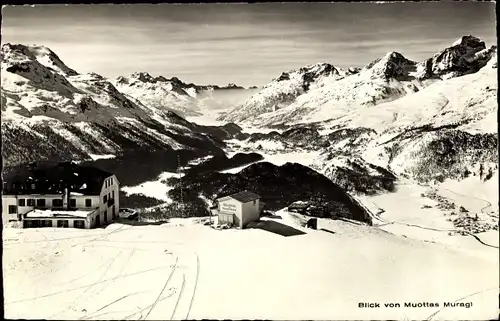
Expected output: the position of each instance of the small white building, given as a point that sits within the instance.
(239, 209)
(64, 195)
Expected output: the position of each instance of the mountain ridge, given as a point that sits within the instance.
(294, 95)
(72, 116)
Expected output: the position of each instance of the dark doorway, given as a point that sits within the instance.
(32, 223)
(312, 223)
(79, 224)
(62, 223)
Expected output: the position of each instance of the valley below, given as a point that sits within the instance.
(427, 210)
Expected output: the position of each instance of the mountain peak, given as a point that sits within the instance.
(320, 69)
(17, 53)
(142, 76)
(466, 55)
(469, 41)
(393, 55)
(391, 65)
(311, 72)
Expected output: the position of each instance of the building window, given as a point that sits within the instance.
(40, 202)
(72, 203)
(111, 181)
(12, 209)
(79, 224)
(254, 201)
(113, 194)
(31, 202)
(47, 223)
(105, 199)
(33, 186)
(62, 223)
(57, 203)
(88, 202)
(22, 202)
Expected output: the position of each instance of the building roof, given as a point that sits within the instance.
(243, 197)
(299, 205)
(59, 213)
(53, 178)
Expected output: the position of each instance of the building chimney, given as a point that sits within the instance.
(66, 198)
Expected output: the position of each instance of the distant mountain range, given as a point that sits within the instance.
(52, 112)
(394, 118)
(322, 92)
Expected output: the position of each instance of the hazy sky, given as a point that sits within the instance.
(240, 43)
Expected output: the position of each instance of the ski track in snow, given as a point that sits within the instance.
(461, 299)
(173, 268)
(106, 279)
(145, 261)
(106, 282)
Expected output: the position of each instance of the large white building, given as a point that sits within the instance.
(62, 195)
(239, 209)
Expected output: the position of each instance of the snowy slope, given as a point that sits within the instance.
(437, 129)
(463, 100)
(67, 115)
(187, 100)
(159, 92)
(283, 90)
(318, 93)
(175, 270)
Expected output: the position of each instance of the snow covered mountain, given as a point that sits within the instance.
(72, 116)
(393, 119)
(171, 94)
(322, 92)
(159, 92)
(447, 130)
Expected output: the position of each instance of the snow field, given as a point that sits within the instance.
(155, 189)
(401, 213)
(121, 272)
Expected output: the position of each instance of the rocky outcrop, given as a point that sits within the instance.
(467, 55)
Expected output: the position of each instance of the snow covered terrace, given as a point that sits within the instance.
(37, 214)
(61, 218)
